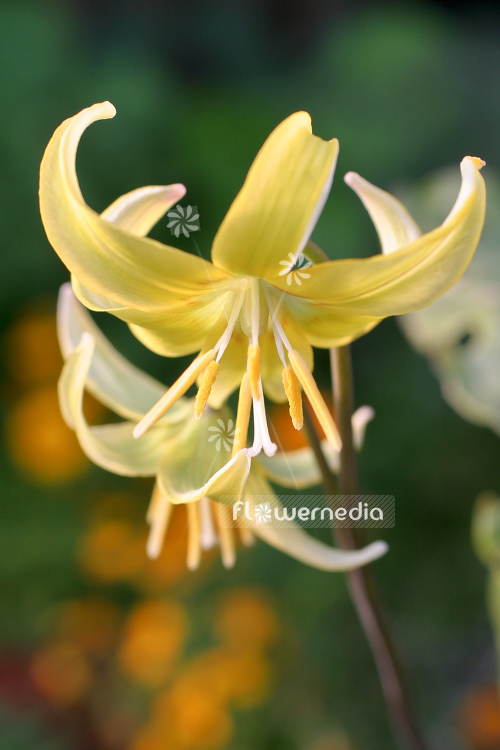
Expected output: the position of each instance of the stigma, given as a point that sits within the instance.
(254, 311)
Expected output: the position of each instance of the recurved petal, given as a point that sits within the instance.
(182, 480)
(183, 328)
(343, 299)
(296, 543)
(139, 210)
(279, 204)
(136, 212)
(111, 378)
(133, 271)
(111, 446)
(394, 225)
(306, 549)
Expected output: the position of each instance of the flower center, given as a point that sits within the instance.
(256, 310)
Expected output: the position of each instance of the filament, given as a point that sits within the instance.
(321, 410)
(174, 393)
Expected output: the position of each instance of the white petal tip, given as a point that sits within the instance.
(376, 550)
(229, 562)
(152, 552)
(350, 178)
(476, 160)
(179, 189)
(107, 110)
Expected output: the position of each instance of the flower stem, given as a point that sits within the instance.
(361, 582)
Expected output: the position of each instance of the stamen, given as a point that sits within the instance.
(253, 369)
(158, 516)
(224, 340)
(226, 534)
(277, 327)
(317, 401)
(194, 547)
(208, 534)
(246, 536)
(206, 384)
(294, 396)
(242, 415)
(174, 393)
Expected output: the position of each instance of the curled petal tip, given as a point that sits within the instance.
(376, 550)
(477, 161)
(350, 177)
(107, 109)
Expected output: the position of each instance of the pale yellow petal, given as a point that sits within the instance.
(137, 212)
(110, 446)
(394, 225)
(178, 483)
(201, 461)
(296, 543)
(112, 379)
(343, 299)
(279, 204)
(133, 271)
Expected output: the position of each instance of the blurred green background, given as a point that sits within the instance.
(97, 644)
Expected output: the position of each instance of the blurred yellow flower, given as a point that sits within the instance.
(111, 551)
(152, 640)
(40, 443)
(246, 619)
(32, 349)
(193, 717)
(237, 676)
(241, 310)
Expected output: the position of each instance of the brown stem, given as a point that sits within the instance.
(361, 582)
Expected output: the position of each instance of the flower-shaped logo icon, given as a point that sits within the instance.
(263, 513)
(224, 434)
(294, 269)
(184, 220)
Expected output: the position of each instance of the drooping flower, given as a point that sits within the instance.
(178, 451)
(239, 311)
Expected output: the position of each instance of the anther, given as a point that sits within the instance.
(207, 381)
(294, 396)
(312, 392)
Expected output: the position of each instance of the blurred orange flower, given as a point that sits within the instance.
(153, 638)
(39, 441)
(61, 672)
(112, 551)
(246, 619)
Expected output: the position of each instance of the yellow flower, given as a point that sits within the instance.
(179, 451)
(240, 311)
